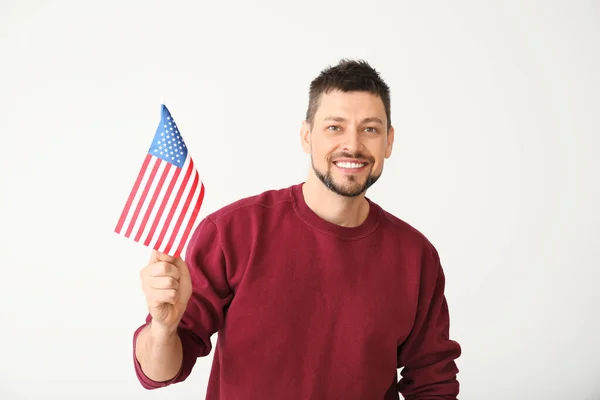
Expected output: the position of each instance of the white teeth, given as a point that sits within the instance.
(349, 165)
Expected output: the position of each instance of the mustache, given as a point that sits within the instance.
(356, 156)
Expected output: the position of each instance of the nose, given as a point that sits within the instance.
(351, 141)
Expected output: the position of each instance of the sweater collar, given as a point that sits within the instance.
(343, 232)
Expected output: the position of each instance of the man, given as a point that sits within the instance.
(315, 291)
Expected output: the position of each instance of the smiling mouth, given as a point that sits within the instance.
(349, 165)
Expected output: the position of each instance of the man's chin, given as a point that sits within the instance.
(347, 185)
(347, 189)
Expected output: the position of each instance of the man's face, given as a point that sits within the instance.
(348, 141)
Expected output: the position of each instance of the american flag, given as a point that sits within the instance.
(163, 205)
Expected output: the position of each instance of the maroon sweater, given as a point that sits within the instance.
(306, 309)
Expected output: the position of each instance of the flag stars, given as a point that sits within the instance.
(168, 143)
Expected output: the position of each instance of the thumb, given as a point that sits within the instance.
(154, 256)
(181, 264)
(177, 261)
(159, 256)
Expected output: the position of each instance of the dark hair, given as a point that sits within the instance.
(348, 75)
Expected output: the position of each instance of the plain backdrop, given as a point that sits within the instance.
(496, 108)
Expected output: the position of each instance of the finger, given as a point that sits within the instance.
(164, 282)
(177, 261)
(162, 268)
(165, 257)
(154, 256)
(182, 266)
(162, 296)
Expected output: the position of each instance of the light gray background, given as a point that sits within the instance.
(495, 106)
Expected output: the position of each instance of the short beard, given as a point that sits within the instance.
(327, 180)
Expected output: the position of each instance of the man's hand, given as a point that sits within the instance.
(167, 286)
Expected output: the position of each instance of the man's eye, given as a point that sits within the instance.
(333, 128)
(371, 129)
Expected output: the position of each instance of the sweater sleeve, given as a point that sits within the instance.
(428, 355)
(205, 310)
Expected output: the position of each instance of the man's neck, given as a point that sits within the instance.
(332, 207)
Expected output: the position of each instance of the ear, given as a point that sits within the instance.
(305, 136)
(390, 142)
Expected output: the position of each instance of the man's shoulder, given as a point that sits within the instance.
(400, 228)
(408, 238)
(252, 204)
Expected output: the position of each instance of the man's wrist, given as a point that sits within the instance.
(160, 334)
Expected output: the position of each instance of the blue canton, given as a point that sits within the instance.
(168, 144)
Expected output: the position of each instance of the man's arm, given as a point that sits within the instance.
(164, 357)
(428, 355)
(160, 354)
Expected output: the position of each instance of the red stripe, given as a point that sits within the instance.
(174, 206)
(157, 191)
(132, 194)
(191, 222)
(184, 210)
(143, 197)
(162, 207)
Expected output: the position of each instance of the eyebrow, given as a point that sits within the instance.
(364, 121)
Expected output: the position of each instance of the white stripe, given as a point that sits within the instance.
(171, 198)
(137, 196)
(158, 202)
(149, 196)
(171, 230)
(179, 234)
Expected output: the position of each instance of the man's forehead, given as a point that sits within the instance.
(353, 102)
